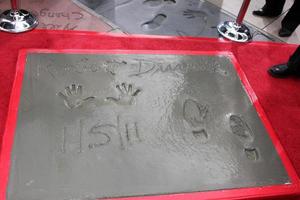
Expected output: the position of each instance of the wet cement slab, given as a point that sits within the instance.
(93, 126)
(164, 17)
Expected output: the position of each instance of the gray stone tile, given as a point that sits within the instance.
(164, 17)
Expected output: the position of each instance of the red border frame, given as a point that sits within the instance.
(124, 35)
(292, 188)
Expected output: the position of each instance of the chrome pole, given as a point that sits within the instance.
(14, 4)
(17, 20)
(236, 31)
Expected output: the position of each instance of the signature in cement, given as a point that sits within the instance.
(123, 133)
(103, 133)
(128, 134)
(45, 12)
(144, 67)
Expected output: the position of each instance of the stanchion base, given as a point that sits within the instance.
(17, 21)
(235, 32)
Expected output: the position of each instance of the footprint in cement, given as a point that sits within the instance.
(201, 135)
(241, 129)
(156, 22)
(154, 3)
(252, 154)
(195, 114)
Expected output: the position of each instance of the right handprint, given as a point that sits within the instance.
(127, 93)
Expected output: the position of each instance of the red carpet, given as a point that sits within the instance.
(280, 98)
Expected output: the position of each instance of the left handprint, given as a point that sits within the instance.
(72, 96)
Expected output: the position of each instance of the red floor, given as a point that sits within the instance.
(280, 98)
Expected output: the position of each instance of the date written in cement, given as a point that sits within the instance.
(122, 134)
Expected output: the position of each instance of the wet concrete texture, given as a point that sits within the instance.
(93, 126)
(164, 17)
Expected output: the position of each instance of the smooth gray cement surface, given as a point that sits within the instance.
(164, 17)
(94, 126)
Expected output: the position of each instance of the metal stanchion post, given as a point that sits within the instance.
(236, 31)
(17, 20)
